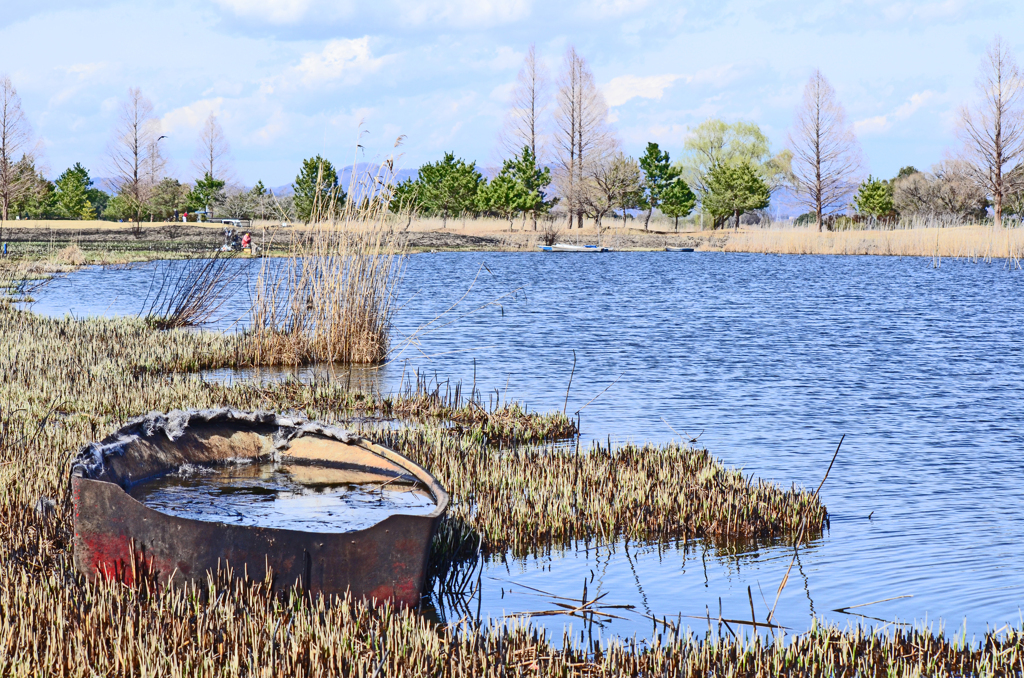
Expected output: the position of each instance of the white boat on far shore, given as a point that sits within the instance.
(562, 247)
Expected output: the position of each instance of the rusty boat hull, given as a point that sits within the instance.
(117, 537)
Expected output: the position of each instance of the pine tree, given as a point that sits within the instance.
(677, 201)
(658, 175)
(874, 197)
(316, 190)
(735, 189)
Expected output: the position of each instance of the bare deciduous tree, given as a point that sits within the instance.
(581, 132)
(529, 100)
(949, 191)
(134, 153)
(613, 184)
(213, 151)
(596, 195)
(826, 155)
(993, 132)
(15, 141)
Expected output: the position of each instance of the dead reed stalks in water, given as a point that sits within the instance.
(333, 298)
(189, 293)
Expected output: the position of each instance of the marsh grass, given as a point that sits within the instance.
(532, 498)
(65, 382)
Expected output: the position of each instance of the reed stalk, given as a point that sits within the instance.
(332, 299)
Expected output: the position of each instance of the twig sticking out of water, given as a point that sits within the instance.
(566, 404)
(803, 526)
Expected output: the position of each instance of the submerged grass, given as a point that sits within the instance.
(530, 498)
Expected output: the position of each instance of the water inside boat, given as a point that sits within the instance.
(303, 497)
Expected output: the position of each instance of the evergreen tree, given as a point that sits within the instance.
(169, 196)
(205, 193)
(97, 200)
(404, 196)
(316, 190)
(534, 180)
(659, 174)
(874, 197)
(504, 195)
(71, 193)
(677, 201)
(448, 187)
(35, 200)
(735, 189)
(257, 199)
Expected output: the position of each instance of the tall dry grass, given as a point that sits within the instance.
(961, 242)
(332, 299)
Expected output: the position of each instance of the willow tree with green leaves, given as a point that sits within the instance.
(716, 143)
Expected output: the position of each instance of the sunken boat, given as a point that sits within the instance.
(175, 496)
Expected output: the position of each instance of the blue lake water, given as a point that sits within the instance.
(771, 359)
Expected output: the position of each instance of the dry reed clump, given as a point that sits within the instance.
(961, 242)
(72, 255)
(331, 299)
(528, 499)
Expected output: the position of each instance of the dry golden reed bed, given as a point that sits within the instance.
(65, 382)
(961, 242)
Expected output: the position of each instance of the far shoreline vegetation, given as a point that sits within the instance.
(564, 170)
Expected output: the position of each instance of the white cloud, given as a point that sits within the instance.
(342, 61)
(191, 117)
(474, 14)
(625, 87)
(883, 123)
(612, 8)
(460, 13)
(503, 92)
(276, 126)
(869, 126)
(271, 11)
(927, 11)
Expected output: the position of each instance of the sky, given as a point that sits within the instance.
(289, 79)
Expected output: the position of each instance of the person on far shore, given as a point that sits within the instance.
(247, 242)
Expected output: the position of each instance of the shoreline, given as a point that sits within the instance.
(106, 243)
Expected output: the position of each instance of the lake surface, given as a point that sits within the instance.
(770, 359)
